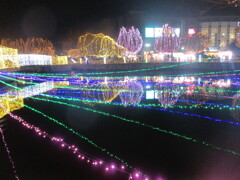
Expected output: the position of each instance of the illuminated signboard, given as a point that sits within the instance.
(177, 31)
(191, 32)
(149, 32)
(157, 32)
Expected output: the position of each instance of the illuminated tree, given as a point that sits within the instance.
(30, 46)
(196, 43)
(168, 42)
(131, 40)
(99, 45)
(167, 93)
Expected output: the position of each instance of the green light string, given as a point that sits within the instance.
(180, 106)
(192, 74)
(127, 71)
(197, 105)
(182, 91)
(76, 133)
(87, 89)
(145, 125)
(102, 90)
(69, 129)
(123, 119)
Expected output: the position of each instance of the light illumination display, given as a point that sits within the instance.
(101, 91)
(9, 154)
(196, 43)
(36, 89)
(131, 39)
(8, 58)
(197, 97)
(4, 101)
(59, 60)
(169, 42)
(62, 144)
(99, 45)
(131, 93)
(30, 45)
(186, 86)
(34, 59)
(167, 94)
(12, 101)
(38, 59)
(74, 53)
(191, 32)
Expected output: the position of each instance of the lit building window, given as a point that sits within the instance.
(204, 31)
(223, 37)
(231, 34)
(213, 36)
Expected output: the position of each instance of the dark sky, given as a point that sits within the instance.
(55, 18)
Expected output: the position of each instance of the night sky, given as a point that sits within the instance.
(54, 19)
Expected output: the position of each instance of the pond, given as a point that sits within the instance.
(139, 127)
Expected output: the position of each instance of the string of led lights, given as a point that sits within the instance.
(79, 154)
(142, 106)
(175, 134)
(145, 125)
(195, 104)
(194, 115)
(130, 91)
(9, 154)
(66, 127)
(127, 71)
(136, 122)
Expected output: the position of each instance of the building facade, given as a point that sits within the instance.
(220, 29)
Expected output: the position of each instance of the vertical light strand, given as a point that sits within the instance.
(9, 155)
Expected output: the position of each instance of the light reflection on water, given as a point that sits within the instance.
(213, 97)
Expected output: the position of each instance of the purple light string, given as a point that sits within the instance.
(161, 109)
(9, 155)
(83, 157)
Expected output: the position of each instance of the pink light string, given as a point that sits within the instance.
(108, 167)
(9, 154)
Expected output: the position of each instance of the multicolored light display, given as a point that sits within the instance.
(103, 86)
(99, 45)
(131, 40)
(169, 42)
(30, 45)
(9, 154)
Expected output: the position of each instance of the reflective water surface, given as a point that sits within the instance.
(167, 127)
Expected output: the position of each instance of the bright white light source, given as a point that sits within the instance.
(147, 45)
(150, 94)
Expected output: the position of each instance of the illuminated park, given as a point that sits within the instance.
(145, 97)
